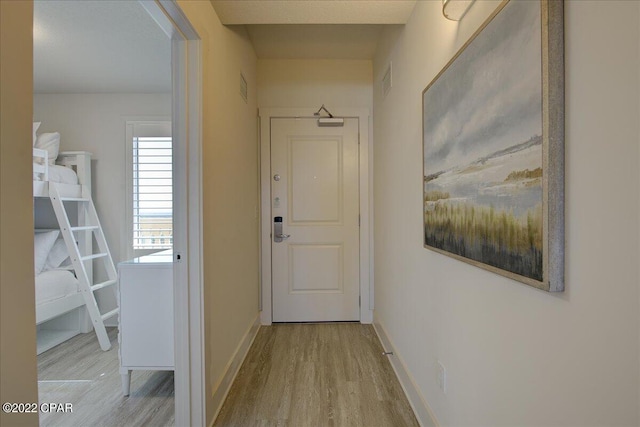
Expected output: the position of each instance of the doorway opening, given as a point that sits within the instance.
(276, 205)
(175, 97)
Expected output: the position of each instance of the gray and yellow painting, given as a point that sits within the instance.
(483, 193)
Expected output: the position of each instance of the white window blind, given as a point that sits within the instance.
(152, 193)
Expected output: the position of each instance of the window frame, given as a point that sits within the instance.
(134, 129)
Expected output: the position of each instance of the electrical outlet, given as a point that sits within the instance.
(442, 377)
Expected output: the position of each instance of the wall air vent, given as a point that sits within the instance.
(386, 81)
(243, 88)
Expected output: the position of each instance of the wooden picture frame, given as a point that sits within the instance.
(493, 147)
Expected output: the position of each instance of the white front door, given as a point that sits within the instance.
(315, 201)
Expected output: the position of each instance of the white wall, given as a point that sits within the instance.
(515, 355)
(96, 123)
(313, 82)
(229, 191)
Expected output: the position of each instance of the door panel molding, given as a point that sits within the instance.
(365, 180)
(307, 205)
(300, 248)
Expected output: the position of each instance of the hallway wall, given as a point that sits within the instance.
(515, 355)
(312, 82)
(229, 189)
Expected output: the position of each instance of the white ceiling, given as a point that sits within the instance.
(239, 12)
(114, 46)
(314, 29)
(99, 47)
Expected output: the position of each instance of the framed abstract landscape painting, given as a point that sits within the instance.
(493, 138)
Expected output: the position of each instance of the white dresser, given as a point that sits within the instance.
(146, 315)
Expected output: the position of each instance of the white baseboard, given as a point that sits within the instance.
(233, 367)
(421, 408)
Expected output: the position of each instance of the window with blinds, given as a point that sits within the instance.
(152, 193)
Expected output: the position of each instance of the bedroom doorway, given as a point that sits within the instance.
(179, 104)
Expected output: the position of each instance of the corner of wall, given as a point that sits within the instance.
(229, 192)
(421, 409)
(221, 390)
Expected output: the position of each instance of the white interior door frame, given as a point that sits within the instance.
(187, 211)
(365, 179)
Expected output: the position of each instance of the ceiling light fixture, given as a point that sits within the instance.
(455, 9)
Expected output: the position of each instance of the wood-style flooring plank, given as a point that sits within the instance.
(328, 374)
(79, 372)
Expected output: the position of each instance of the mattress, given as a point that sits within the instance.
(61, 174)
(55, 284)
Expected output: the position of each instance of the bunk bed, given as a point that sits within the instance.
(57, 291)
(64, 256)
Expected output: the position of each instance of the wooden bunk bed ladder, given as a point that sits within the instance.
(92, 225)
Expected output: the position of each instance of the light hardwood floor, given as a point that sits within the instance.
(318, 375)
(78, 372)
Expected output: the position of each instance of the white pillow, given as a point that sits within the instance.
(36, 125)
(57, 255)
(51, 143)
(42, 244)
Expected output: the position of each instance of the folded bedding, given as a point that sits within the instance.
(43, 242)
(55, 284)
(49, 142)
(50, 252)
(61, 174)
